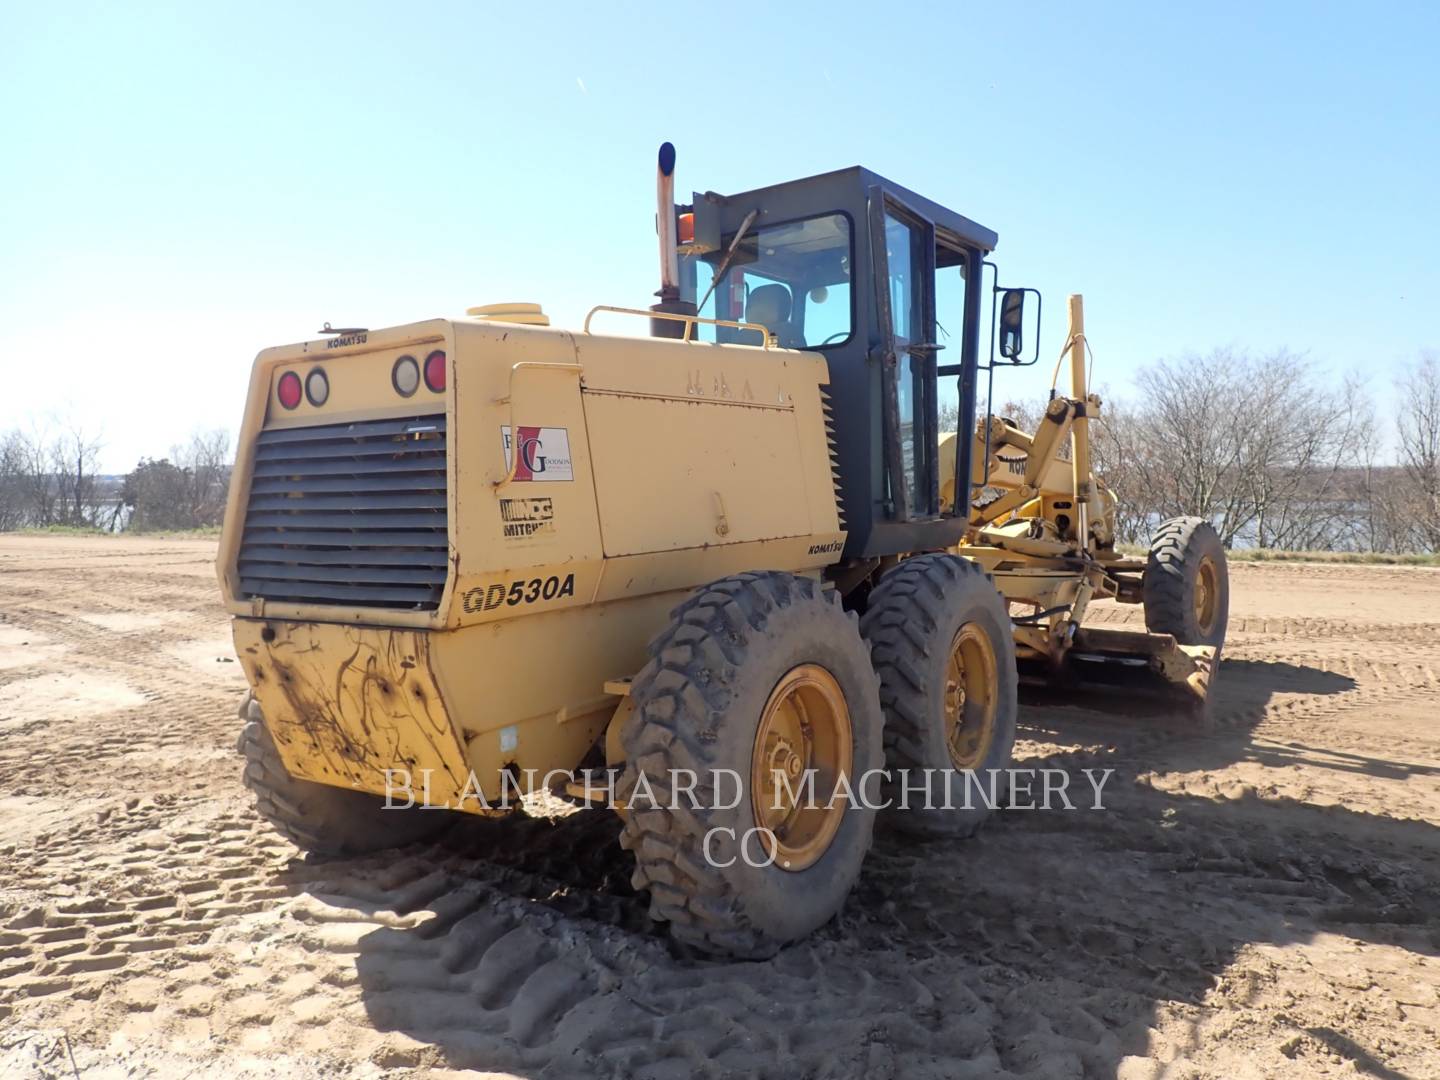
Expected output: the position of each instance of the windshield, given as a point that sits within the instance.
(793, 279)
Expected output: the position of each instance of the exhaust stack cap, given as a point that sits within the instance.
(528, 314)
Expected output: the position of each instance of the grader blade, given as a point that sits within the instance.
(1148, 662)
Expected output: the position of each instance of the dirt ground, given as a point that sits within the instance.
(1261, 901)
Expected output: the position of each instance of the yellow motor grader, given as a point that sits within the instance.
(469, 557)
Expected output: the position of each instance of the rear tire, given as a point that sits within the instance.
(937, 624)
(1187, 584)
(319, 818)
(741, 656)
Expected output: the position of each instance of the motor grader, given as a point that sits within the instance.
(727, 560)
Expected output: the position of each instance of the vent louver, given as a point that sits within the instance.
(351, 514)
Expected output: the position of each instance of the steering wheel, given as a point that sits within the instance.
(833, 339)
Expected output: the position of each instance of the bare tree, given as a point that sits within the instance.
(73, 464)
(1303, 444)
(1026, 415)
(1259, 446)
(13, 508)
(1267, 448)
(206, 461)
(1378, 490)
(1419, 435)
(1186, 443)
(1116, 456)
(33, 480)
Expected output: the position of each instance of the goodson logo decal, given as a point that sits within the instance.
(544, 453)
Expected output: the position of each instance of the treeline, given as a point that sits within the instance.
(1271, 449)
(1274, 451)
(52, 478)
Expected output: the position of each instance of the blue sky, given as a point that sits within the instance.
(182, 186)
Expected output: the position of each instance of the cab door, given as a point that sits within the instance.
(902, 246)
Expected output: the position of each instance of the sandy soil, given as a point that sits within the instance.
(1256, 902)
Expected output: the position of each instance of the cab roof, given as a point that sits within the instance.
(971, 232)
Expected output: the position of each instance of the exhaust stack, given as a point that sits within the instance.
(669, 293)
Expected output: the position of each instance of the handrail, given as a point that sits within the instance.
(689, 320)
(509, 399)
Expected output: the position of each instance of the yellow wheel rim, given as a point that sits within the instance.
(971, 697)
(1207, 595)
(805, 726)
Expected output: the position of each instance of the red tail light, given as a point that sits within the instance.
(435, 371)
(288, 390)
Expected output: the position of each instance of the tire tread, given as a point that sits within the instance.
(682, 696)
(905, 611)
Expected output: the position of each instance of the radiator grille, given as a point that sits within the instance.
(349, 514)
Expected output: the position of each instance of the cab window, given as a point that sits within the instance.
(794, 279)
(951, 281)
(905, 255)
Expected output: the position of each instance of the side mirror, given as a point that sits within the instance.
(1012, 319)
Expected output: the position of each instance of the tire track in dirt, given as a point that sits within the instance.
(129, 636)
(1247, 629)
(1193, 921)
(444, 950)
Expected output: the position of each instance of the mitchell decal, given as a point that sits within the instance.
(524, 518)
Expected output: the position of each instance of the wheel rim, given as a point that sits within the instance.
(805, 725)
(1207, 595)
(971, 696)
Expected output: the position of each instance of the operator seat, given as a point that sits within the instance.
(769, 305)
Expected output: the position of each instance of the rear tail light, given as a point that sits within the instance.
(317, 387)
(435, 371)
(288, 390)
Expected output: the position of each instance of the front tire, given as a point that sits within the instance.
(756, 673)
(1186, 586)
(944, 649)
(317, 817)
